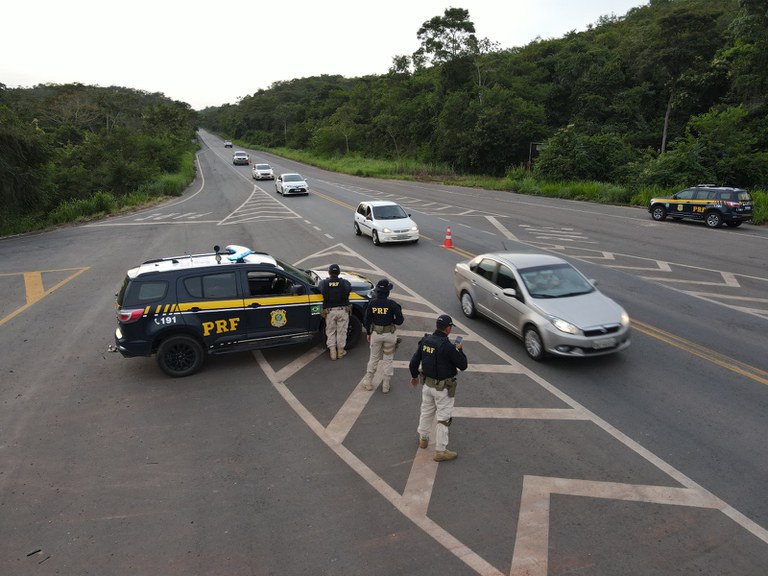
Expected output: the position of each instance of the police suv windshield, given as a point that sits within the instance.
(297, 272)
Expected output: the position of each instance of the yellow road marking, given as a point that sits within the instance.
(33, 282)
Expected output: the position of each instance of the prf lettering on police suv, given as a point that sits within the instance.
(182, 308)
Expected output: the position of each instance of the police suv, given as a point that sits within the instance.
(714, 205)
(184, 307)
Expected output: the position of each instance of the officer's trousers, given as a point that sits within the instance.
(336, 324)
(382, 348)
(435, 404)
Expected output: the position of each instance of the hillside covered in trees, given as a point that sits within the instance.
(672, 93)
(72, 150)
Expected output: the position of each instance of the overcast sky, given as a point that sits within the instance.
(213, 52)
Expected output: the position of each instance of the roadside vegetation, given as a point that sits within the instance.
(72, 152)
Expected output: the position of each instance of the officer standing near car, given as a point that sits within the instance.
(336, 310)
(440, 359)
(381, 318)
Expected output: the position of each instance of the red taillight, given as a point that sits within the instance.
(732, 204)
(128, 316)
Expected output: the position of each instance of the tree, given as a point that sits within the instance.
(446, 37)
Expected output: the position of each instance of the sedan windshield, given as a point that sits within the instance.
(393, 212)
(262, 167)
(292, 178)
(555, 281)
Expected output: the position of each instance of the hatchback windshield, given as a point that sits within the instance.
(556, 281)
(262, 166)
(393, 212)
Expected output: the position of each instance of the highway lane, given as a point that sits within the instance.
(226, 455)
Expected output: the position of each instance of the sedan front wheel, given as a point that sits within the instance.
(533, 344)
(468, 305)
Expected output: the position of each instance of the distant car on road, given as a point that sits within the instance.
(240, 158)
(543, 300)
(715, 205)
(227, 144)
(263, 172)
(385, 221)
(291, 183)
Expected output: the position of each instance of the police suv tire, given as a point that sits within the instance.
(533, 343)
(658, 213)
(375, 238)
(354, 330)
(180, 356)
(468, 305)
(358, 232)
(713, 219)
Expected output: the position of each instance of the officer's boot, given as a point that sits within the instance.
(385, 385)
(333, 352)
(368, 381)
(340, 352)
(445, 455)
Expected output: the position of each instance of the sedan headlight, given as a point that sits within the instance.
(624, 318)
(564, 326)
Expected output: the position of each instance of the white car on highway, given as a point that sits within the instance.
(263, 172)
(385, 221)
(291, 183)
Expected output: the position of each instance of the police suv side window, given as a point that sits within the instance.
(144, 292)
(686, 194)
(222, 285)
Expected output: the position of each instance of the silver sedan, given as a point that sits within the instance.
(543, 300)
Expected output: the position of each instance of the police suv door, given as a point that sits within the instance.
(277, 305)
(213, 304)
(682, 205)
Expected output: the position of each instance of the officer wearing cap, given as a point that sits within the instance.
(336, 310)
(381, 318)
(440, 359)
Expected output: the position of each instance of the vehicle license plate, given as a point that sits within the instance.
(604, 343)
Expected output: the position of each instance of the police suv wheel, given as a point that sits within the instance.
(354, 330)
(658, 213)
(180, 356)
(533, 344)
(713, 219)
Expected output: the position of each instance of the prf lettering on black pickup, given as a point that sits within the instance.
(428, 349)
(380, 309)
(220, 326)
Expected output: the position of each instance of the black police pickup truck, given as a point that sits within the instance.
(184, 307)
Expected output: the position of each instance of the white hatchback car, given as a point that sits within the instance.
(263, 172)
(385, 221)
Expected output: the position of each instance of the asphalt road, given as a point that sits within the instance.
(652, 461)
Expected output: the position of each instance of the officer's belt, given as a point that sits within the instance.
(379, 329)
(438, 384)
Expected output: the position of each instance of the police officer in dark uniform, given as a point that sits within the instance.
(336, 310)
(381, 318)
(440, 359)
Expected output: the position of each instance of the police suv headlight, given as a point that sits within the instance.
(563, 326)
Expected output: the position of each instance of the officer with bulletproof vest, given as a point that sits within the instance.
(336, 310)
(440, 360)
(381, 319)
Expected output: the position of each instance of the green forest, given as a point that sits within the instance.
(669, 95)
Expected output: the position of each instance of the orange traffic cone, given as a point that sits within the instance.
(448, 241)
